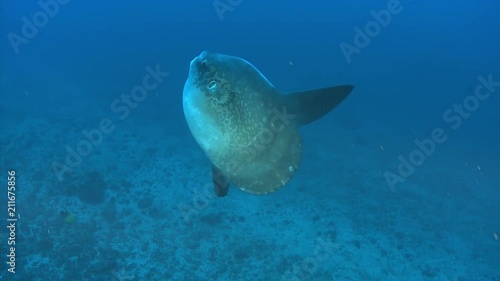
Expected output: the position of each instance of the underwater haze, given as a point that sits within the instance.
(104, 180)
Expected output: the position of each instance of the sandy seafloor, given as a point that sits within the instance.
(145, 210)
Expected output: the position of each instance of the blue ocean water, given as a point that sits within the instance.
(400, 182)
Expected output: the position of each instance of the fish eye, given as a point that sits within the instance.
(212, 85)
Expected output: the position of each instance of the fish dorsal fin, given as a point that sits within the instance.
(311, 105)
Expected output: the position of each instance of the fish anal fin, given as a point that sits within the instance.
(220, 181)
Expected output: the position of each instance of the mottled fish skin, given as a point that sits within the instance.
(240, 120)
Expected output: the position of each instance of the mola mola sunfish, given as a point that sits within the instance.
(248, 129)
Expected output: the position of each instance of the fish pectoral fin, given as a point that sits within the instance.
(309, 106)
(220, 180)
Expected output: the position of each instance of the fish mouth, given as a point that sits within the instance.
(199, 58)
(199, 65)
(203, 54)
